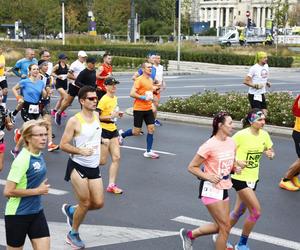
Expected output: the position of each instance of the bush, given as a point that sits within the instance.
(209, 103)
(141, 51)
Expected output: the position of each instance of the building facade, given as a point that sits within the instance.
(225, 13)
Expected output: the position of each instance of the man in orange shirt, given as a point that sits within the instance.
(142, 91)
(105, 70)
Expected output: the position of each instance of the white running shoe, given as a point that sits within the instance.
(151, 154)
(120, 138)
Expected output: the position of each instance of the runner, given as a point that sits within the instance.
(3, 81)
(105, 70)
(257, 80)
(159, 81)
(290, 181)
(60, 73)
(84, 130)
(109, 113)
(218, 156)
(45, 102)
(32, 89)
(142, 92)
(88, 75)
(25, 185)
(21, 70)
(45, 55)
(5, 122)
(251, 143)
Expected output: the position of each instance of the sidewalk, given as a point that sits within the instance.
(207, 121)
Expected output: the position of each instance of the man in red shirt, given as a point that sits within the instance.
(105, 70)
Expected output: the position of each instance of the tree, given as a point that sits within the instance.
(294, 15)
(280, 10)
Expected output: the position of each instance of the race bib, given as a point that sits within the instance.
(93, 145)
(63, 77)
(251, 184)
(33, 109)
(210, 191)
(2, 78)
(258, 97)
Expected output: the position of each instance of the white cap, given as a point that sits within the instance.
(82, 53)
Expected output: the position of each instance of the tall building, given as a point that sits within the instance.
(224, 13)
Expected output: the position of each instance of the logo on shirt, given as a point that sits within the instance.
(253, 159)
(264, 73)
(36, 166)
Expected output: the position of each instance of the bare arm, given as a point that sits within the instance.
(248, 82)
(194, 168)
(99, 72)
(55, 68)
(15, 90)
(71, 75)
(10, 190)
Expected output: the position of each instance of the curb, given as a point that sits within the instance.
(207, 121)
(166, 73)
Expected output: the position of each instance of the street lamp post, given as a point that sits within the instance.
(179, 35)
(63, 20)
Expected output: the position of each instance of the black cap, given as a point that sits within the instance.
(91, 60)
(62, 56)
(41, 62)
(111, 81)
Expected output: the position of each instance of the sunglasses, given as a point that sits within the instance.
(94, 98)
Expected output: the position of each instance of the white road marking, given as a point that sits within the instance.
(143, 149)
(255, 236)
(51, 190)
(94, 235)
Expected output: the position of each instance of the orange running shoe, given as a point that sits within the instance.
(288, 185)
(295, 180)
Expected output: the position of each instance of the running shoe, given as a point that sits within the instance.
(57, 119)
(53, 136)
(12, 117)
(151, 155)
(157, 123)
(52, 147)
(228, 244)
(64, 114)
(120, 138)
(14, 153)
(241, 247)
(187, 243)
(17, 135)
(142, 132)
(74, 240)
(113, 188)
(295, 180)
(66, 211)
(53, 112)
(288, 185)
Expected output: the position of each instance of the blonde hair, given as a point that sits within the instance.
(26, 130)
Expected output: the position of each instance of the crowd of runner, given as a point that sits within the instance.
(91, 136)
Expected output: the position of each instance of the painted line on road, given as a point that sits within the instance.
(236, 231)
(143, 149)
(51, 190)
(94, 235)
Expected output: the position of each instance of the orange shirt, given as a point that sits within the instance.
(143, 84)
(106, 70)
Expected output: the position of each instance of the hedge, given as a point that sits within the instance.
(209, 103)
(140, 51)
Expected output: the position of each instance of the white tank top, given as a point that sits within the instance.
(89, 137)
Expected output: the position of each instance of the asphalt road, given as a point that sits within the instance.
(160, 196)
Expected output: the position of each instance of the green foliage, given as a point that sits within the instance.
(209, 103)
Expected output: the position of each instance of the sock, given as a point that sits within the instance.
(243, 240)
(73, 231)
(15, 112)
(190, 235)
(149, 142)
(72, 209)
(127, 133)
(4, 98)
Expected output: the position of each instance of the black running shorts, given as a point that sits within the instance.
(140, 116)
(296, 137)
(73, 90)
(84, 172)
(18, 226)
(106, 134)
(239, 185)
(257, 104)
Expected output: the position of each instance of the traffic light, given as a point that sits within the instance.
(177, 9)
(249, 23)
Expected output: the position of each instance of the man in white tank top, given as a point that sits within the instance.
(82, 140)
